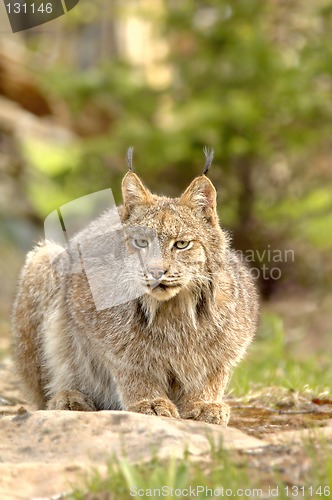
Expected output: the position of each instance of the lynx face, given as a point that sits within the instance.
(171, 236)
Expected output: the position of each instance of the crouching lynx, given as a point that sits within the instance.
(168, 351)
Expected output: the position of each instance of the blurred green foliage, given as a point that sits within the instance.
(270, 363)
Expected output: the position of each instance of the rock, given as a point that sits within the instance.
(94, 437)
(42, 481)
(46, 449)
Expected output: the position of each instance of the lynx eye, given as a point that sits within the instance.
(141, 243)
(181, 245)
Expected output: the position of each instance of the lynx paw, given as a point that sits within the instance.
(161, 407)
(212, 413)
(71, 400)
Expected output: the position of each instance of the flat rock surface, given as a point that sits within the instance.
(54, 437)
(42, 481)
(42, 452)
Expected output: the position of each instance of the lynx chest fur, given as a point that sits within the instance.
(157, 332)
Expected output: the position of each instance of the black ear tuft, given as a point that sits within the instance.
(130, 153)
(209, 154)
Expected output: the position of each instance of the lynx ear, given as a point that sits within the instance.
(201, 196)
(134, 193)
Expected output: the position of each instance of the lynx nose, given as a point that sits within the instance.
(156, 273)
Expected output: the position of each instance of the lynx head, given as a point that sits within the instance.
(191, 244)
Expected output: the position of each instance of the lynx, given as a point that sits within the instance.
(168, 351)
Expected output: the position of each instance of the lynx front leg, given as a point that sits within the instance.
(71, 400)
(206, 404)
(141, 394)
(162, 407)
(212, 413)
